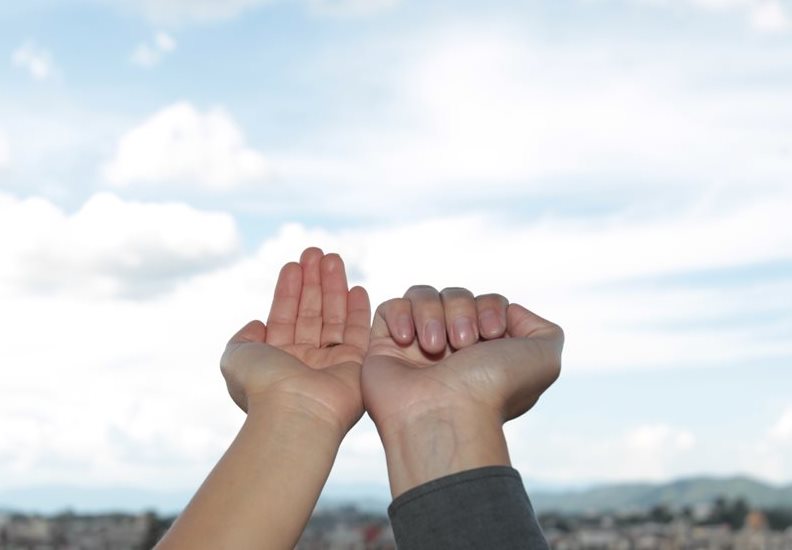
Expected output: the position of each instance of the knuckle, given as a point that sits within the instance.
(456, 292)
(421, 289)
(386, 307)
(493, 297)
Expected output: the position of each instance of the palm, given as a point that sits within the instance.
(313, 344)
(506, 374)
(397, 379)
(322, 358)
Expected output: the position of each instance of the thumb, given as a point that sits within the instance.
(233, 367)
(254, 331)
(532, 357)
(521, 323)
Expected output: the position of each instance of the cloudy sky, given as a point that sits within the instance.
(622, 167)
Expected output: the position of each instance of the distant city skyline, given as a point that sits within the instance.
(676, 494)
(622, 168)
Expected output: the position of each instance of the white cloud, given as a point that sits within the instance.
(769, 455)
(781, 430)
(109, 247)
(775, 449)
(36, 60)
(108, 399)
(652, 439)
(178, 144)
(488, 114)
(150, 53)
(124, 392)
(164, 42)
(769, 16)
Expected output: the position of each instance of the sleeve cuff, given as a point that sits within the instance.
(483, 508)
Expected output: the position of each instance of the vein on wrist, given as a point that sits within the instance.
(440, 442)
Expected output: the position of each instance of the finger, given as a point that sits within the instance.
(358, 321)
(283, 313)
(334, 299)
(254, 331)
(428, 316)
(524, 323)
(491, 315)
(308, 329)
(394, 319)
(460, 316)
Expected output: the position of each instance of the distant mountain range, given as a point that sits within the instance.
(676, 494)
(372, 498)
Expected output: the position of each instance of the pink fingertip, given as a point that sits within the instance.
(434, 335)
(404, 328)
(490, 324)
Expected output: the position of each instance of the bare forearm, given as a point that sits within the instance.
(441, 442)
(261, 493)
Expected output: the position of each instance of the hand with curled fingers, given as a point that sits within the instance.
(445, 370)
(308, 355)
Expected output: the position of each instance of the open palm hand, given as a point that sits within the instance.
(309, 353)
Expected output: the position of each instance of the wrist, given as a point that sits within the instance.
(439, 441)
(293, 404)
(296, 418)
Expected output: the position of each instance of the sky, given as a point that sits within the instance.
(621, 167)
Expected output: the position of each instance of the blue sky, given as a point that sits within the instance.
(622, 167)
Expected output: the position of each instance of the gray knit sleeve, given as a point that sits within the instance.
(483, 509)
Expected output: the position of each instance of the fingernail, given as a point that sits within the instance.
(490, 323)
(465, 333)
(433, 334)
(403, 327)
